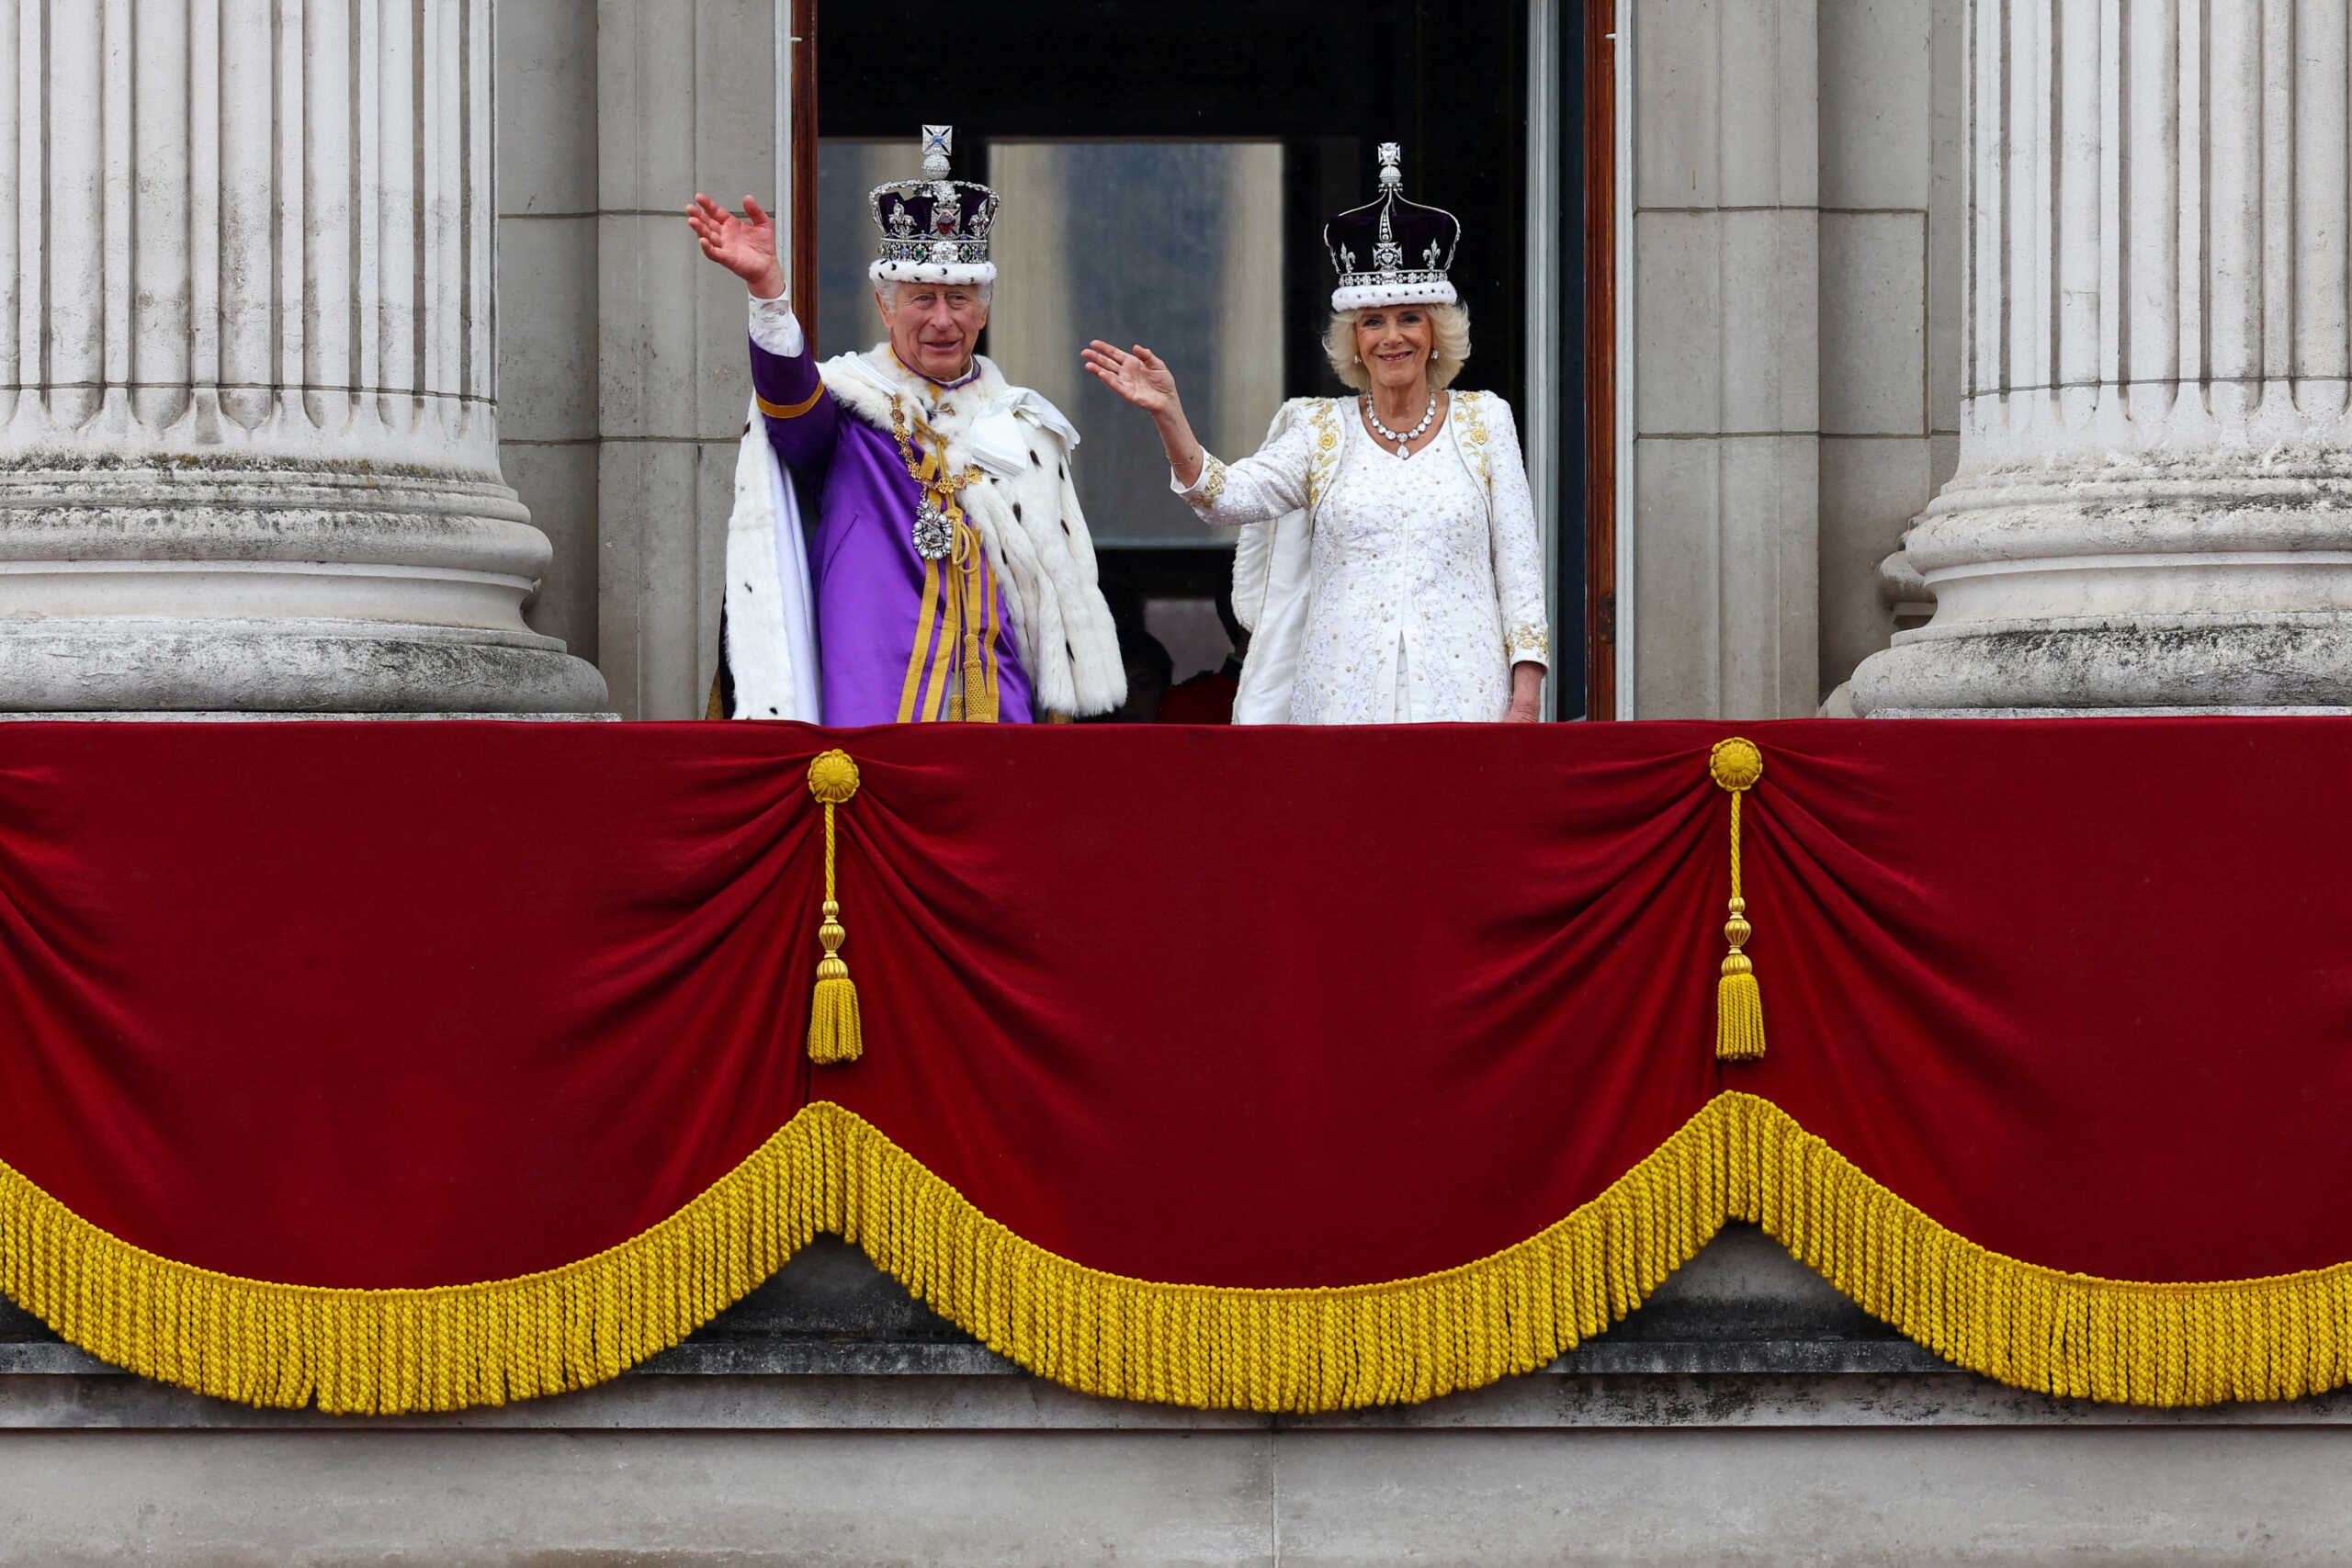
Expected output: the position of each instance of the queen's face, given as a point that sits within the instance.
(1393, 344)
(933, 326)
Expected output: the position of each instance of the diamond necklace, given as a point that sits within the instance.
(1411, 435)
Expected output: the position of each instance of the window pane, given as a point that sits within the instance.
(847, 171)
(1175, 245)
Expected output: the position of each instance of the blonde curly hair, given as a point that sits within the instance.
(1449, 343)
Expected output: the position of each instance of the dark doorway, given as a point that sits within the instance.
(1325, 84)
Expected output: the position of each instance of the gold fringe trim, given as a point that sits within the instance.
(1301, 1350)
(390, 1352)
(1333, 1349)
(2076, 1336)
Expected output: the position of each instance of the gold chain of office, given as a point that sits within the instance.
(936, 515)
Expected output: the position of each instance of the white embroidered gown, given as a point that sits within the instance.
(1425, 584)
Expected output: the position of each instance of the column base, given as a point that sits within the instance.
(2294, 662)
(296, 668)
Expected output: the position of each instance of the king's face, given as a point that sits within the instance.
(933, 326)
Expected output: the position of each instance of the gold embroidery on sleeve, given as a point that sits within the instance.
(1212, 481)
(1473, 435)
(1324, 457)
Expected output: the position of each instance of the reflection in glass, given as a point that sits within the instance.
(847, 170)
(1176, 245)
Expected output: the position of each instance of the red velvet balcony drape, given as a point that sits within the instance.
(1285, 1068)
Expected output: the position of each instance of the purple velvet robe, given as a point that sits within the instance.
(867, 578)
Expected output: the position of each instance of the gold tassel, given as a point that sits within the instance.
(976, 684)
(979, 703)
(834, 1033)
(1736, 764)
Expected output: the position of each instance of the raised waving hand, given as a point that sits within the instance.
(745, 246)
(1143, 378)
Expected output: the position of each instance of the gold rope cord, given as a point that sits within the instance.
(835, 1031)
(1736, 765)
(830, 1170)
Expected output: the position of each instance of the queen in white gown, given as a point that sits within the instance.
(1388, 565)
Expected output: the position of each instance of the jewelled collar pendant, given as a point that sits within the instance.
(935, 537)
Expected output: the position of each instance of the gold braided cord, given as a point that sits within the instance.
(1304, 1350)
(1736, 892)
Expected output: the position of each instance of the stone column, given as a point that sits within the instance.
(248, 427)
(2153, 509)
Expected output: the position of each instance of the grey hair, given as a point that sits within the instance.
(1449, 343)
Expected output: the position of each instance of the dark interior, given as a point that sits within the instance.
(1448, 81)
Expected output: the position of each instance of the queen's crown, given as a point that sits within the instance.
(1391, 251)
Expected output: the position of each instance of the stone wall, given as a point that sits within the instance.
(624, 382)
(1795, 368)
(1891, 75)
(1727, 357)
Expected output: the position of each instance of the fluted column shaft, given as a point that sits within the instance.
(2153, 502)
(248, 427)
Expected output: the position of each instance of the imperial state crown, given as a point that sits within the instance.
(935, 229)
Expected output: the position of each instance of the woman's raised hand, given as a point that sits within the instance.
(1141, 377)
(1144, 381)
(745, 246)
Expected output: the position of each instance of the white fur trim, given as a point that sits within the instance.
(1041, 552)
(1368, 296)
(771, 629)
(932, 272)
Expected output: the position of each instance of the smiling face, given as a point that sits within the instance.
(933, 325)
(1393, 344)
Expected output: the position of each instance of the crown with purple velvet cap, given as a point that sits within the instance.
(1391, 251)
(935, 229)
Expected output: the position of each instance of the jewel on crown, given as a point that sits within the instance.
(938, 143)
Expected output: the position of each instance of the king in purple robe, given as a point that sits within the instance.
(950, 575)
